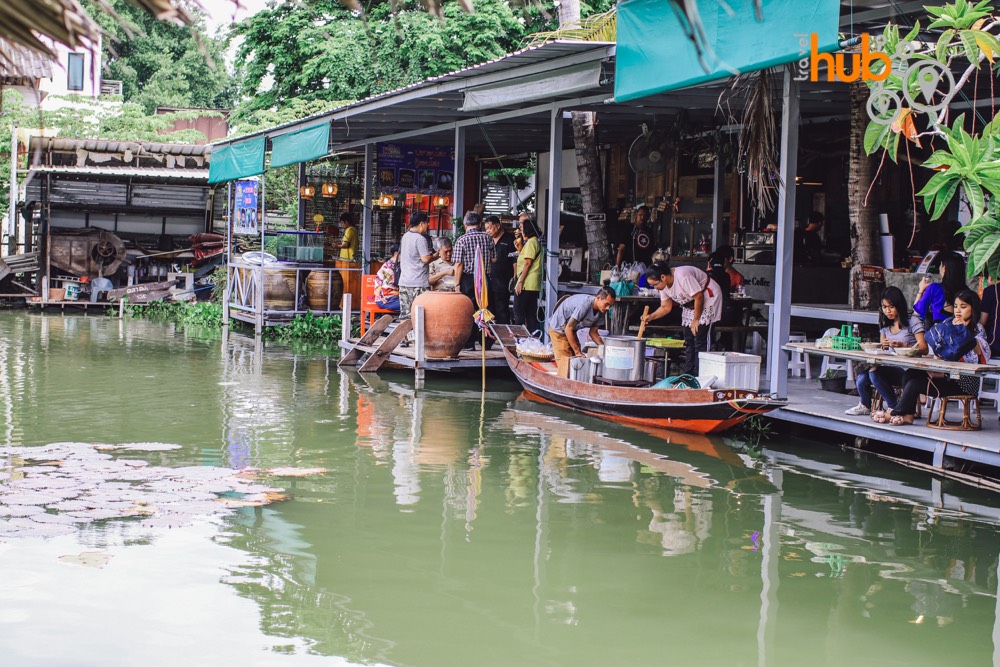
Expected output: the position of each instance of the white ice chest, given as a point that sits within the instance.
(735, 370)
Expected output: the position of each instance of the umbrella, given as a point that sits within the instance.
(483, 316)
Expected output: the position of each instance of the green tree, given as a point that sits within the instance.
(318, 50)
(162, 64)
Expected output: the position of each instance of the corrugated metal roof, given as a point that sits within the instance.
(106, 146)
(446, 86)
(134, 172)
(17, 61)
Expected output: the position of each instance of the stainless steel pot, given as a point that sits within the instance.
(623, 358)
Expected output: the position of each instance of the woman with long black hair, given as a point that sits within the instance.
(967, 311)
(934, 300)
(899, 328)
(528, 276)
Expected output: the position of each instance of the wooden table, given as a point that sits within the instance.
(951, 368)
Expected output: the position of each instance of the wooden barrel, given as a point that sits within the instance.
(324, 290)
(279, 289)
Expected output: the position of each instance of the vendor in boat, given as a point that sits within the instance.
(700, 298)
(580, 311)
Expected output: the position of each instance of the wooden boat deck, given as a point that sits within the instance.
(406, 357)
(810, 406)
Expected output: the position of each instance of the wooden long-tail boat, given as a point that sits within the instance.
(692, 410)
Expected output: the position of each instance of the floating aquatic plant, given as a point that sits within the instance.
(52, 490)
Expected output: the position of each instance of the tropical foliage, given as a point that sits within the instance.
(160, 63)
(967, 165)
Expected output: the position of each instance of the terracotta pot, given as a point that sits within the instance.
(279, 289)
(447, 322)
(324, 290)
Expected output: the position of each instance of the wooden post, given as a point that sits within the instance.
(345, 317)
(229, 255)
(717, 235)
(778, 327)
(418, 333)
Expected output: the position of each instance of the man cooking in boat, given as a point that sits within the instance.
(700, 298)
(580, 311)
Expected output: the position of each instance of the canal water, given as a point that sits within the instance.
(445, 528)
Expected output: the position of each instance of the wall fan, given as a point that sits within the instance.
(650, 150)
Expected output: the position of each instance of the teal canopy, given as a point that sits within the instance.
(655, 55)
(301, 145)
(232, 161)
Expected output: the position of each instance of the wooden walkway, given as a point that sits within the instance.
(401, 345)
(810, 406)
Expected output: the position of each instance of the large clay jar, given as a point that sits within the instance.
(447, 322)
(324, 290)
(279, 289)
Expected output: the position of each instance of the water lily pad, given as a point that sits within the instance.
(95, 559)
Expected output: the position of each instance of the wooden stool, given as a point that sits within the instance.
(967, 423)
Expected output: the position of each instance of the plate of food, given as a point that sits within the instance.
(908, 351)
(872, 348)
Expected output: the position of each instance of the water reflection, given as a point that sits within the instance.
(457, 529)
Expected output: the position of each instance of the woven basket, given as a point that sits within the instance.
(537, 358)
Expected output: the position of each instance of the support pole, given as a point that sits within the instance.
(368, 184)
(418, 341)
(717, 234)
(458, 196)
(302, 206)
(779, 325)
(229, 255)
(259, 319)
(550, 291)
(12, 234)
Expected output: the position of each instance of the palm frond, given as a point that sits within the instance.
(758, 145)
(595, 28)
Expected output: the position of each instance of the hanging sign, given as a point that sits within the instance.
(417, 169)
(245, 208)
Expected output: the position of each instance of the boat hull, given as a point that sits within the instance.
(691, 410)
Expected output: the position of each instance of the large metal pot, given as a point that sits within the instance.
(623, 358)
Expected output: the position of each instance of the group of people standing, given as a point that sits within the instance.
(512, 261)
(947, 301)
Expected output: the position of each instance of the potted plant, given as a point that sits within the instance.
(833, 380)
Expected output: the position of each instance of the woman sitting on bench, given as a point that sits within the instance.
(917, 382)
(900, 328)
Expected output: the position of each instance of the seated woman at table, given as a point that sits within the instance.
(934, 300)
(387, 281)
(899, 328)
(917, 382)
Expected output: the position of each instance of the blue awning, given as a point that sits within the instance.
(655, 54)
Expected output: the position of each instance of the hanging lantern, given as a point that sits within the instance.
(307, 191)
(386, 200)
(328, 190)
(441, 201)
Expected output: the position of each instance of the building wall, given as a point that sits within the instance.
(91, 78)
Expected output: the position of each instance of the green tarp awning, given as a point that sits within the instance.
(308, 143)
(655, 55)
(237, 160)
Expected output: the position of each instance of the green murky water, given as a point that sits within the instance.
(455, 531)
